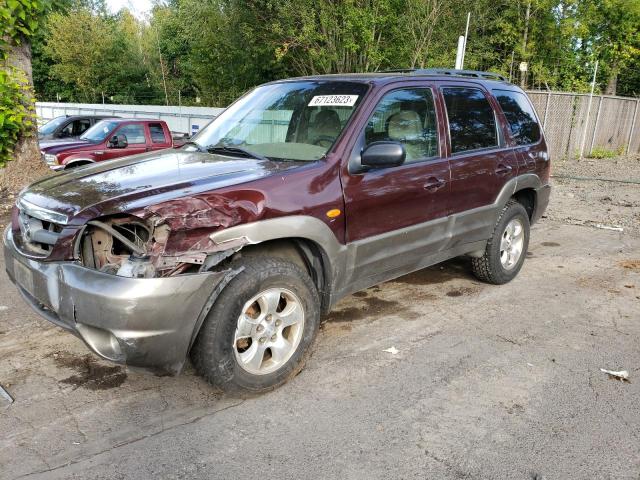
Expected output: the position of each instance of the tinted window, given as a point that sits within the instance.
(409, 117)
(472, 124)
(520, 116)
(99, 131)
(134, 133)
(157, 133)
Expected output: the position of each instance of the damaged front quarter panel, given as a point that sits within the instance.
(170, 238)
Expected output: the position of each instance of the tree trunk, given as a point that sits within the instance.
(26, 165)
(612, 84)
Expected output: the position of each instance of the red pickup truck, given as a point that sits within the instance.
(106, 140)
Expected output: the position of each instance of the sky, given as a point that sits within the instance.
(138, 7)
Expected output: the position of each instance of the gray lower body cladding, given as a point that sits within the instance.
(146, 322)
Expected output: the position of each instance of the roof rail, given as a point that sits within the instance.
(448, 71)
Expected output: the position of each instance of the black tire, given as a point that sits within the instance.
(213, 353)
(489, 268)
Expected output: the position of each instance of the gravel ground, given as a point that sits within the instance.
(488, 382)
(592, 202)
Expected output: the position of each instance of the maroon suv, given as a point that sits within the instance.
(301, 192)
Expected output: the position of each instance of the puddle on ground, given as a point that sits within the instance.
(373, 307)
(459, 292)
(90, 374)
(550, 244)
(450, 270)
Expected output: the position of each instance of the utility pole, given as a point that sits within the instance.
(513, 53)
(164, 81)
(462, 46)
(527, 16)
(586, 122)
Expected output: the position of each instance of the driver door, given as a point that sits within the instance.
(397, 215)
(136, 141)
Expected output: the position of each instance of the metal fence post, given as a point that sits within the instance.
(595, 127)
(546, 111)
(633, 124)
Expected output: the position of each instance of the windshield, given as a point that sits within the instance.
(99, 131)
(298, 120)
(51, 125)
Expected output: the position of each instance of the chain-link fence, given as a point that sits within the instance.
(570, 125)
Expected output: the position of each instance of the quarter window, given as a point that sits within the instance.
(157, 133)
(409, 117)
(134, 133)
(520, 116)
(472, 123)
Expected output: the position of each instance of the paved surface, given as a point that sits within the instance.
(489, 382)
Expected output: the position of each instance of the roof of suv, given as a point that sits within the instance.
(434, 73)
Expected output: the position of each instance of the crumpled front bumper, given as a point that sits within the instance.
(148, 322)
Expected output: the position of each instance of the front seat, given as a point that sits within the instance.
(406, 127)
(325, 128)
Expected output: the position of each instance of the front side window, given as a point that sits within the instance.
(52, 125)
(472, 123)
(520, 116)
(134, 133)
(99, 131)
(75, 128)
(409, 117)
(157, 133)
(294, 120)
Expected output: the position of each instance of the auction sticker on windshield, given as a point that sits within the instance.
(333, 101)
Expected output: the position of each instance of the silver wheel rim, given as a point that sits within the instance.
(268, 331)
(511, 244)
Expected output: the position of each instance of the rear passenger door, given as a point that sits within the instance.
(524, 129)
(481, 164)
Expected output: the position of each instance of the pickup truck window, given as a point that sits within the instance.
(295, 120)
(99, 131)
(51, 125)
(157, 133)
(134, 133)
(472, 122)
(407, 116)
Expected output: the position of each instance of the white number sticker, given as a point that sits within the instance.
(333, 101)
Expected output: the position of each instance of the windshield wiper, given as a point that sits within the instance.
(235, 150)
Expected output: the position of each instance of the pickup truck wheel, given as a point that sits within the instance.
(505, 251)
(259, 332)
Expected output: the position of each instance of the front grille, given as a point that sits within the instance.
(37, 236)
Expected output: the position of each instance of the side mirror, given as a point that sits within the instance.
(383, 154)
(118, 141)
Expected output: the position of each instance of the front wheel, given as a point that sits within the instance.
(506, 249)
(261, 327)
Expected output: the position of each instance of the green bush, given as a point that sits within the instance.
(15, 111)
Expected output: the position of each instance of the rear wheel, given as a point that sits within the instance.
(260, 329)
(505, 251)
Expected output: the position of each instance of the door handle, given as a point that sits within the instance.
(434, 184)
(503, 169)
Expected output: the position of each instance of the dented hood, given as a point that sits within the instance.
(142, 180)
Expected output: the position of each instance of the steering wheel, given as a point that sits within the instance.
(324, 141)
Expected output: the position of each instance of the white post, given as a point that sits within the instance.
(459, 53)
(633, 124)
(595, 127)
(586, 123)
(466, 35)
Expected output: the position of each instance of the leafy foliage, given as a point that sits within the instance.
(15, 110)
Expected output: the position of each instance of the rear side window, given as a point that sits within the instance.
(472, 123)
(520, 116)
(134, 133)
(157, 133)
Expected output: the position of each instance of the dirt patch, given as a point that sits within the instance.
(360, 294)
(373, 308)
(630, 264)
(90, 374)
